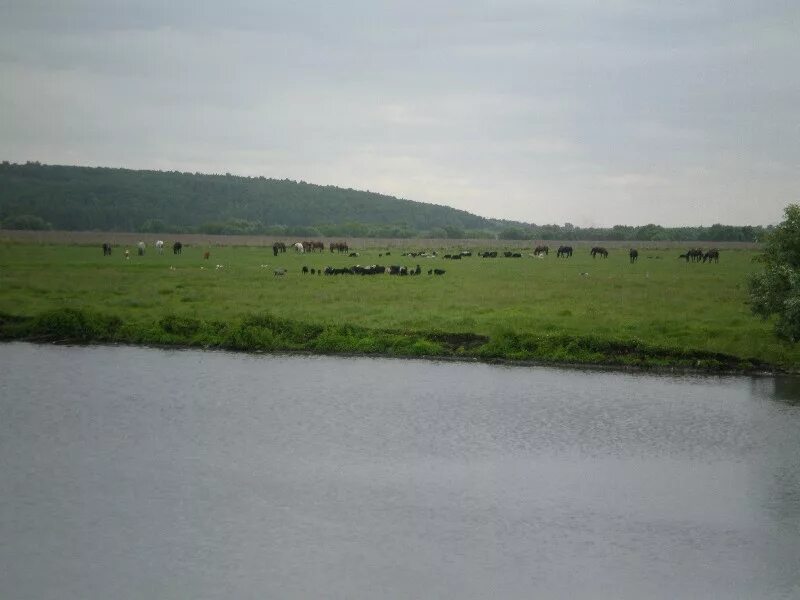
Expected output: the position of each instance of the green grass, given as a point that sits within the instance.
(658, 312)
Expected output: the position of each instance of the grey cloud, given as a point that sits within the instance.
(573, 111)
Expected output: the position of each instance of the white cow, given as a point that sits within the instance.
(298, 247)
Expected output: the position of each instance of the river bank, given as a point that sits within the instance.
(266, 332)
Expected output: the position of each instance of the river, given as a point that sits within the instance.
(145, 473)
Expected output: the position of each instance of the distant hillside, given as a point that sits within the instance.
(35, 196)
(76, 198)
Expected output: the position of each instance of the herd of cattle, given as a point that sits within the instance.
(692, 255)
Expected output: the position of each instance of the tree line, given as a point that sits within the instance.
(37, 196)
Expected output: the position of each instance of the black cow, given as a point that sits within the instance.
(634, 255)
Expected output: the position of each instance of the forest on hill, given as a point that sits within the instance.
(37, 196)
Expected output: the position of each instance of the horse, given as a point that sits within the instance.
(541, 250)
(599, 250)
(694, 255)
(206, 255)
(140, 248)
(106, 249)
(339, 247)
(160, 246)
(712, 254)
(298, 247)
(177, 248)
(634, 255)
(564, 252)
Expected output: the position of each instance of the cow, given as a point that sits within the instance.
(177, 248)
(160, 246)
(598, 251)
(299, 248)
(634, 255)
(106, 249)
(438, 271)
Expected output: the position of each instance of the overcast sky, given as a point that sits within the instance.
(592, 112)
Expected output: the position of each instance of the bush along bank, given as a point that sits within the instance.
(265, 332)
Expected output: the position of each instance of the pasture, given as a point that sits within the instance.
(660, 301)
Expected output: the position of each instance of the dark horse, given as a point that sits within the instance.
(339, 247)
(564, 252)
(177, 248)
(694, 255)
(599, 250)
(541, 250)
(634, 255)
(106, 249)
(278, 247)
(712, 254)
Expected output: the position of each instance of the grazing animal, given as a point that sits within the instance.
(206, 255)
(177, 248)
(712, 254)
(279, 272)
(599, 251)
(694, 255)
(430, 271)
(106, 249)
(353, 254)
(304, 270)
(299, 248)
(339, 247)
(160, 246)
(313, 271)
(275, 249)
(489, 254)
(564, 252)
(634, 255)
(140, 248)
(541, 250)
(438, 271)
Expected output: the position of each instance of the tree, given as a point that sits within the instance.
(30, 222)
(776, 291)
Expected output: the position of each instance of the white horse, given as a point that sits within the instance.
(160, 246)
(298, 247)
(141, 247)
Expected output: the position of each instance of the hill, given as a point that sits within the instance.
(37, 196)
(98, 198)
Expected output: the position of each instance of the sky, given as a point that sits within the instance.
(589, 112)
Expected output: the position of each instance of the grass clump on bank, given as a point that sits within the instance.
(265, 332)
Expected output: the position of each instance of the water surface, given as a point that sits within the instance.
(142, 473)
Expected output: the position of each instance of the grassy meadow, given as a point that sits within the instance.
(660, 311)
